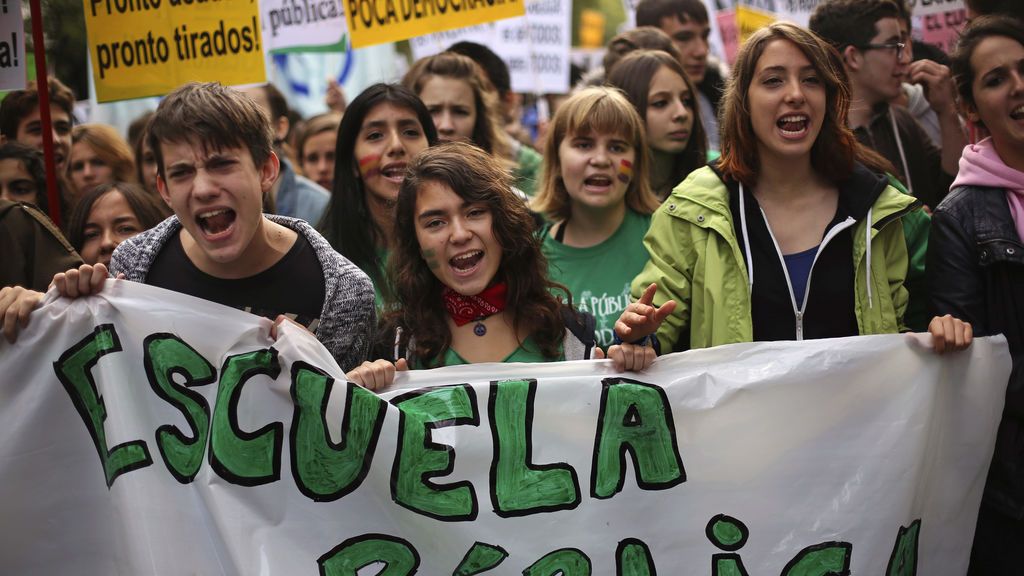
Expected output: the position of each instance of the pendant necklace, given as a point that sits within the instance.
(479, 329)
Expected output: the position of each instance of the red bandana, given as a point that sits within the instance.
(466, 309)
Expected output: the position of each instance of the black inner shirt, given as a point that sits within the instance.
(294, 286)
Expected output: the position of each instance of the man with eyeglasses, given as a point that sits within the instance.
(867, 35)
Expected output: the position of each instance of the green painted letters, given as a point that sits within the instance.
(635, 418)
(480, 558)
(324, 470)
(74, 370)
(633, 558)
(825, 559)
(244, 458)
(418, 458)
(164, 356)
(564, 562)
(347, 558)
(903, 561)
(518, 486)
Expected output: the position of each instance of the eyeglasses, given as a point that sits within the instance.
(896, 47)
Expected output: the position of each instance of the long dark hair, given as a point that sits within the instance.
(473, 175)
(347, 223)
(633, 75)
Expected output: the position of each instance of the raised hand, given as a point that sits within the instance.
(642, 318)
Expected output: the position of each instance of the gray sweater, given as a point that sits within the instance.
(348, 318)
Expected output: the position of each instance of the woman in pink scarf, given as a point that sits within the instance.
(976, 259)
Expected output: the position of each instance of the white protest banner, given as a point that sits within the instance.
(302, 24)
(535, 46)
(12, 46)
(146, 432)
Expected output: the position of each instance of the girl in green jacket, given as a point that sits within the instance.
(794, 233)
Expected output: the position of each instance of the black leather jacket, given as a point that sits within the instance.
(976, 273)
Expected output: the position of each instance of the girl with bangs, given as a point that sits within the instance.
(464, 105)
(596, 196)
(666, 99)
(470, 279)
(794, 233)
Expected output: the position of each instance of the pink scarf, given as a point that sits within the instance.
(981, 165)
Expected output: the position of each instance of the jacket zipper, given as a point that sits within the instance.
(798, 311)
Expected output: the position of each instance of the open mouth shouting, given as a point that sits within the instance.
(217, 223)
(794, 126)
(466, 263)
(394, 172)
(598, 183)
(1018, 113)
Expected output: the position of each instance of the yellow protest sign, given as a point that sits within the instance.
(378, 21)
(750, 20)
(149, 47)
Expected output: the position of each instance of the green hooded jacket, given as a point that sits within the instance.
(696, 260)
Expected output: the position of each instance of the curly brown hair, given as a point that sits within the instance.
(418, 311)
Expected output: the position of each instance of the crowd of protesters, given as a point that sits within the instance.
(823, 187)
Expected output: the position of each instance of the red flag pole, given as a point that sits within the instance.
(52, 191)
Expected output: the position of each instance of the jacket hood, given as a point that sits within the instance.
(980, 165)
(857, 193)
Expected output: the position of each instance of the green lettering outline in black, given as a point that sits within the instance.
(624, 565)
(791, 567)
(135, 453)
(556, 563)
(531, 394)
(346, 432)
(904, 551)
(163, 385)
(727, 564)
(271, 368)
(428, 444)
(372, 542)
(480, 558)
(606, 385)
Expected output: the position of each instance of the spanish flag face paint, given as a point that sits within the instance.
(625, 171)
(369, 166)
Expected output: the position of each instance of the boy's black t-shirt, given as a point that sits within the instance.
(294, 286)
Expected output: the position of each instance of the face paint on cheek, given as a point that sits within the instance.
(431, 258)
(369, 165)
(625, 171)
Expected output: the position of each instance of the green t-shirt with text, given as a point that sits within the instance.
(599, 276)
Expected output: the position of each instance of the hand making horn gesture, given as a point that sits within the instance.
(641, 318)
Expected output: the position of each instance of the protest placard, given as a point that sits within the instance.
(941, 22)
(922, 7)
(145, 431)
(751, 17)
(302, 24)
(377, 21)
(149, 47)
(535, 46)
(12, 46)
